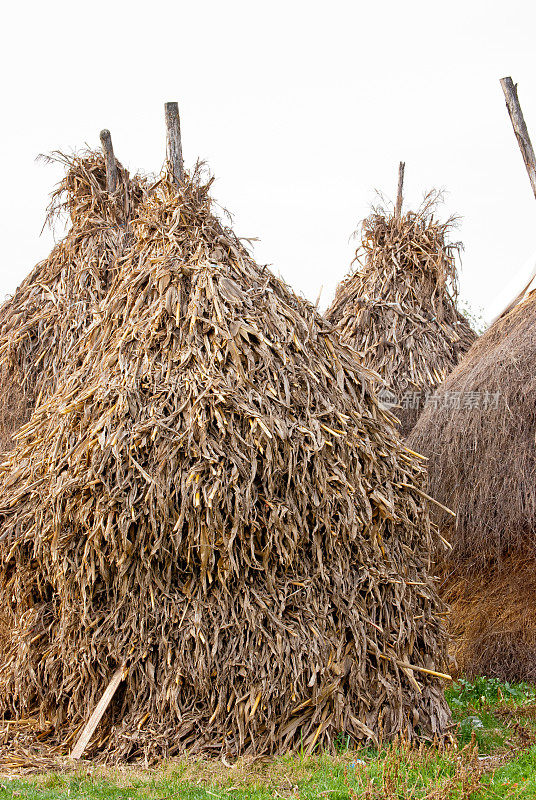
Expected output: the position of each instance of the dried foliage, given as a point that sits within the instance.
(40, 324)
(401, 771)
(398, 309)
(213, 497)
(482, 464)
(492, 620)
(400, 775)
(482, 459)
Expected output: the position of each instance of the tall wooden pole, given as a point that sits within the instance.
(109, 158)
(174, 145)
(520, 129)
(399, 194)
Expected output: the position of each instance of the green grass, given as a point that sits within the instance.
(495, 758)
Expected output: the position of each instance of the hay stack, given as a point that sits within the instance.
(479, 438)
(215, 499)
(398, 309)
(41, 322)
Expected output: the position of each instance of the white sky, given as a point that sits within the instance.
(302, 110)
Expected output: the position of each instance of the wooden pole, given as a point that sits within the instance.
(95, 718)
(399, 194)
(174, 145)
(518, 298)
(520, 128)
(109, 158)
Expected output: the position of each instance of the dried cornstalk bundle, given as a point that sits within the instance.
(482, 464)
(214, 499)
(398, 309)
(41, 322)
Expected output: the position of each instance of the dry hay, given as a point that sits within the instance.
(215, 498)
(40, 324)
(482, 458)
(492, 620)
(398, 309)
(482, 464)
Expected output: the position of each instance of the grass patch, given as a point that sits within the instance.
(495, 759)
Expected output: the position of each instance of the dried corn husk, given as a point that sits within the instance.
(213, 495)
(398, 309)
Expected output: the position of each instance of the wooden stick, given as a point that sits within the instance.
(111, 166)
(174, 144)
(399, 198)
(426, 671)
(418, 669)
(520, 128)
(89, 729)
(517, 299)
(427, 497)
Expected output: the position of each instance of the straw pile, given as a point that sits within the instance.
(54, 305)
(492, 619)
(398, 309)
(479, 438)
(214, 499)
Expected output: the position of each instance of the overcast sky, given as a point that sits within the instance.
(301, 109)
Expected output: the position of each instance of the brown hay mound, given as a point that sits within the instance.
(54, 305)
(479, 438)
(492, 620)
(398, 310)
(214, 498)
